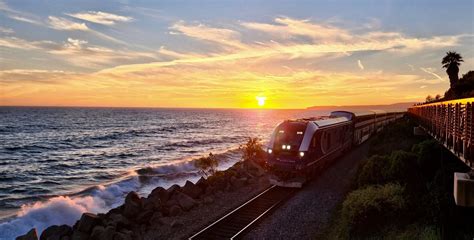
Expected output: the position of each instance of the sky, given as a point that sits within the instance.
(228, 54)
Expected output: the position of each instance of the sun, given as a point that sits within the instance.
(261, 100)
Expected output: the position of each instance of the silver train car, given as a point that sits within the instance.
(299, 148)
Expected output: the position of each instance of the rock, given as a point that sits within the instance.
(87, 222)
(30, 235)
(173, 189)
(185, 201)
(78, 235)
(176, 224)
(155, 219)
(255, 168)
(56, 232)
(118, 221)
(144, 216)
(191, 190)
(238, 182)
(97, 232)
(133, 205)
(122, 236)
(208, 200)
(174, 210)
(201, 183)
(159, 194)
(165, 220)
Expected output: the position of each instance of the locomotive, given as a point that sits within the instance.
(299, 148)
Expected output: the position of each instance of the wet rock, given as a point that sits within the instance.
(174, 210)
(191, 190)
(56, 232)
(185, 201)
(30, 235)
(87, 222)
(133, 205)
(144, 216)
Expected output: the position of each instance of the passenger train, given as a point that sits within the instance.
(299, 148)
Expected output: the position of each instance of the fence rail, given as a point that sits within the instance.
(451, 123)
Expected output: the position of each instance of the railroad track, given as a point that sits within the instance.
(239, 220)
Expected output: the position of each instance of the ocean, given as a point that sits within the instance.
(58, 162)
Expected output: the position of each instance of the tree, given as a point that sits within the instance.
(429, 98)
(253, 150)
(437, 97)
(451, 62)
(207, 165)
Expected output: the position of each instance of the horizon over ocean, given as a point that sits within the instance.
(58, 162)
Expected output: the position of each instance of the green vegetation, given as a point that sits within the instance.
(403, 190)
(253, 150)
(207, 165)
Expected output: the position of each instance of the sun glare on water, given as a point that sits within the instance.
(261, 101)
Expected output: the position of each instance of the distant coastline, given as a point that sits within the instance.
(394, 106)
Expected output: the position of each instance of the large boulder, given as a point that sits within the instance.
(159, 194)
(238, 182)
(133, 205)
(191, 190)
(30, 235)
(174, 210)
(101, 233)
(78, 235)
(87, 222)
(254, 168)
(186, 202)
(202, 183)
(56, 232)
(173, 189)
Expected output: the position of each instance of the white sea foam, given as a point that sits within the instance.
(68, 209)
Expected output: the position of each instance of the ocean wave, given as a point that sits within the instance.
(68, 209)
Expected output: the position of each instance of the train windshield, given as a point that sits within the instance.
(290, 133)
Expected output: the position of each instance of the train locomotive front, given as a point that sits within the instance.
(298, 148)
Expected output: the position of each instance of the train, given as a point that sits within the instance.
(299, 148)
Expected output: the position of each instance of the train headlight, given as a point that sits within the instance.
(283, 146)
(301, 154)
(269, 151)
(288, 147)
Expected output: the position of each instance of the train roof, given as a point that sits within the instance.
(330, 121)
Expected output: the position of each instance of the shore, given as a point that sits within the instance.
(172, 213)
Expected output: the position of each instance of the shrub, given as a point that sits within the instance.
(207, 165)
(365, 210)
(253, 150)
(373, 170)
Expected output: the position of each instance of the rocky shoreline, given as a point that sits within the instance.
(173, 213)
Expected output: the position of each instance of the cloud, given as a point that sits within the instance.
(6, 30)
(431, 71)
(65, 24)
(100, 17)
(359, 63)
(18, 43)
(221, 36)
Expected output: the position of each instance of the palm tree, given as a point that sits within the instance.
(451, 62)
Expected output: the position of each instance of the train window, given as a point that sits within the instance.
(290, 133)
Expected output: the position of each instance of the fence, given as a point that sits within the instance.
(451, 123)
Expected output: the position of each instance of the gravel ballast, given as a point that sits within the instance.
(305, 214)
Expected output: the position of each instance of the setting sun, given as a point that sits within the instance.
(261, 101)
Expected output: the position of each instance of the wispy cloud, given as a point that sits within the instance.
(100, 17)
(359, 63)
(59, 23)
(6, 30)
(431, 71)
